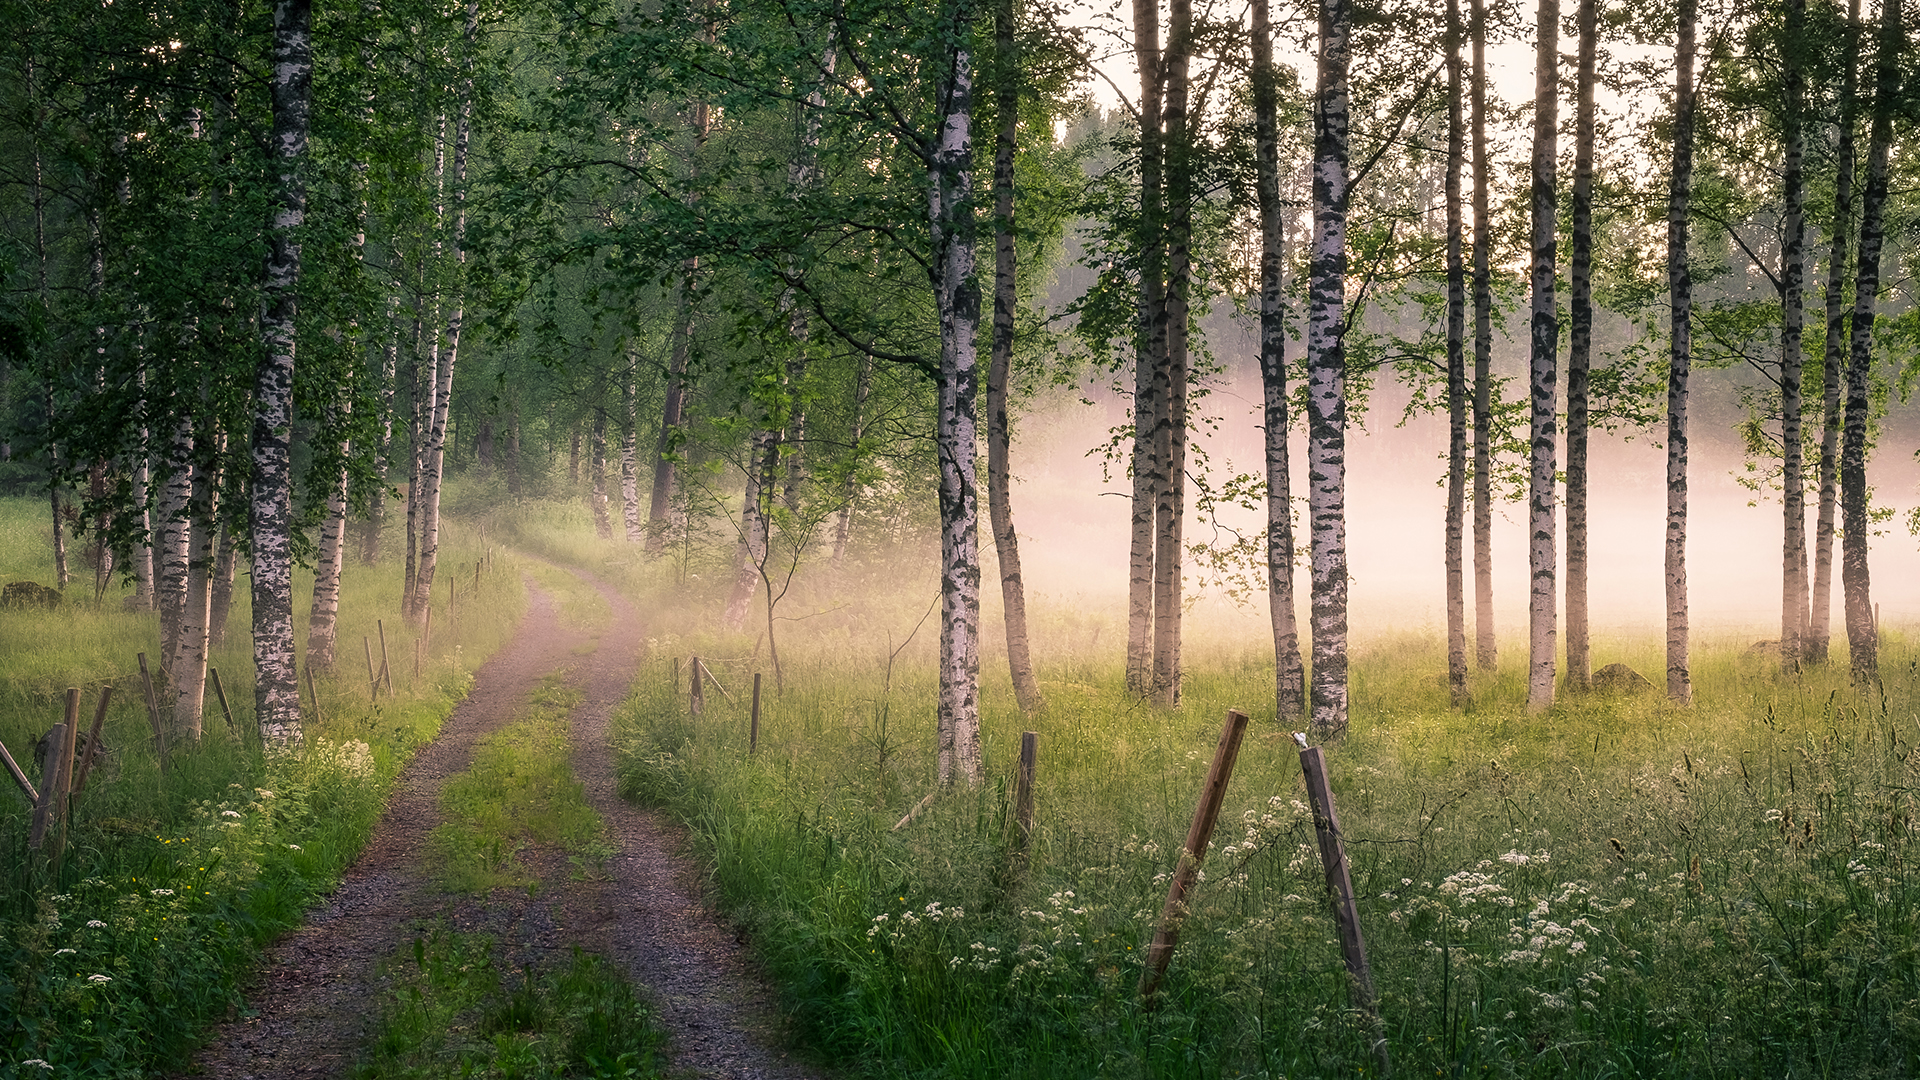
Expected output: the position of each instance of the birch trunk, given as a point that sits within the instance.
(957, 300)
(1456, 370)
(1580, 352)
(435, 469)
(1013, 592)
(763, 457)
(220, 601)
(174, 530)
(1327, 372)
(187, 664)
(1170, 439)
(597, 465)
(1680, 286)
(1820, 630)
(843, 528)
(630, 455)
(1544, 384)
(141, 552)
(1289, 677)
(1149, 356)
(376, 523)
(659, 507)
(419, 409)
(323, 616)
(1863, 635)
(276, 688)
(1793, 273)
(1486, 649)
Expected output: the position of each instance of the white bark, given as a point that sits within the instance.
(1542, 546)
(1680, 289)
(957, 298)
(276, 686)
(1327, 375)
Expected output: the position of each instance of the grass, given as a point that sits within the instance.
(454, 1010)
(112, 965)
(1617, 888)
(519, 790)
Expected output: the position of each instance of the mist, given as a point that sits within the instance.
(1072, 516)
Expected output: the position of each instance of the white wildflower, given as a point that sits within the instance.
(96, 924)
(99, 978)
(161, 892)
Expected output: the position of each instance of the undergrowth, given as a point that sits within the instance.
(455, 1010)
(520, 789)
(1619, 887)
(114, 961)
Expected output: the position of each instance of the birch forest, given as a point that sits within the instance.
(1562, 350)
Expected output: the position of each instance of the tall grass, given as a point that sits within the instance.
(1619, 887)
(171, 883)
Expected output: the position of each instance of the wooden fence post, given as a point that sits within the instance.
(153, 716)
(93, 740)
(49, 789)
(373, 679)
(453, 582)
(1167, 934)
(386, 668)
(696, 696)
(426, 633)
(1023, 791)
(1346, 913)
(753, 733)
(221, 693)
(19, 778)
(314, 693)
(417, 646)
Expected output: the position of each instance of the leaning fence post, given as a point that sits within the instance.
(63, 774)
(221, 693)
(1167, 934)
(49, 789)
(386, 668)
(153, 716)
(373, 680)
(20, 778)
(93, 740)
(697, 695)
(753, 733)
(1346, 913)
(313, 692)
(1023, 791)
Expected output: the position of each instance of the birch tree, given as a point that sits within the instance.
(1456, 368)
(1580, 349)
(1013, 592)
(1542, 551)
(1680, 356)
(276, 689)
(1863, 634)
(1327, 371)
(1486, 647)
(1834, 358)
(1289, 675)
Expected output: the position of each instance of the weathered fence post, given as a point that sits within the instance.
(418, 645)
(386, 668)
(453, 586)
(153, 716)
(93, 740)
(56, 777)
(697, 696)
(373, 679)
(1167, 934)
(221, 693)
(1346, 913)
(1023, 791)
(313, 692)
(426, 632)
(19, 778)
(753, 732)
